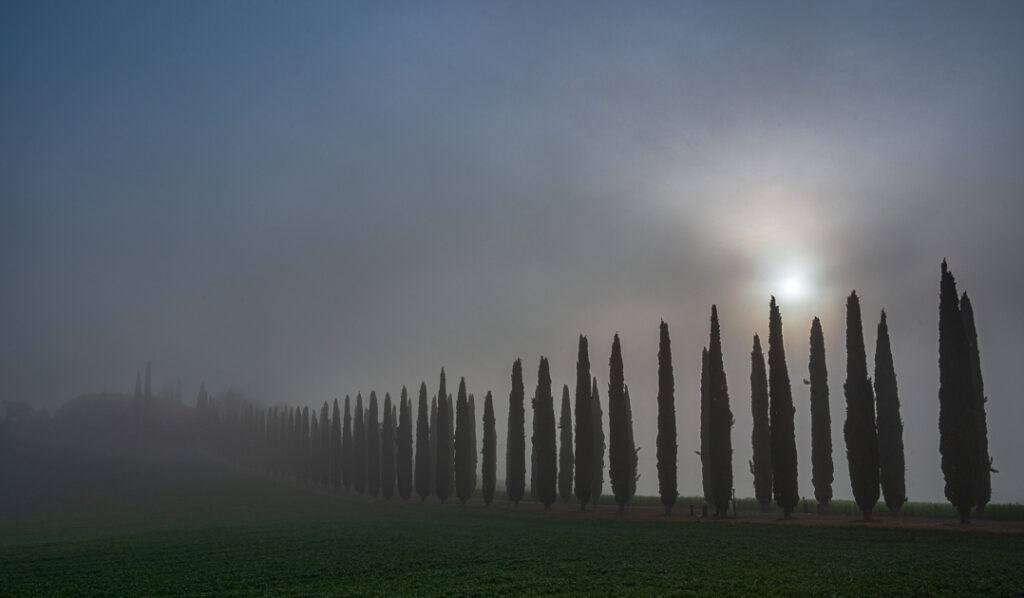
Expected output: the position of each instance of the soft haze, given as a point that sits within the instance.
(303, 201)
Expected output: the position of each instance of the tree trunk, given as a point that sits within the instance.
(965, 515)
(787, 512)
(668, 511)
(867, 514)
(622, 507)
(979, 511)
(583, 507)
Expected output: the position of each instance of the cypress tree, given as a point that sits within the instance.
(314, 439)
(666, 442)
(721, 421)
(489, 451)
(958, 427)
(336, 454)
(443, 467)
(347, 457)
(859, 429)
(620, 448)
(450, 404)
(387, 450)
(781, 412)
(433, 445)
(584, 472)
(546, 465)
(403, 454)
(305, 442)
(359, 469)
(423, 451)
(634, 450)
(565, 448)
(326, 424)
(761, 438)
(821, 419)
(891, 464)
(984, 471)
(597, 474)
(373, 470)
(473, 454)
(705, 428)
(463, 450)
(515, 457)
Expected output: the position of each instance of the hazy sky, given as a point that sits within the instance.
(304, 200)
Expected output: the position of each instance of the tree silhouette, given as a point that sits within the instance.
(958, 427)
(721, 421)
(597, 476)
(489, 451)
(621, 451)
(433, 445)
(359, 452)
(346, 454)
(443, 466)
(565, 448)
(821, 419)
(705, 428)
(423, 452)
(326, 426)
(984, 471)
(373, 449)
(336, 446)
(387, 450)
(463, 448)
(473, 454)
(584, 465)
(761, 438)
(892, 468)
(666, 442)
(859, 429)
(515, 457)
(546, 465)
(403, 449)
(781, 412)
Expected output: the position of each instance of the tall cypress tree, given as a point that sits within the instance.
(347, 455)
(474, 461)
(666, 441)
(821, 419)
(761, 438)
(423, 452)
(958, 430)
(597, 475)
(463, 450)
(892, 467)
(403, 448)
(705, 428)
(450, 404)
(314, 439)
(634, 450)
(565, 448)
(387, 450)
(515, 457)
(781, 412)
(326, 428)
(984, 471)
(489, 451)
(373, 447)
(359, 447)
(305, 444)
(433, 445)
(443, 466)
(620, 449)
(546, 465)
(721, 421)
(336, 446)
(584, 465)
(859, 429)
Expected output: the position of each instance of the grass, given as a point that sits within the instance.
(202, 529)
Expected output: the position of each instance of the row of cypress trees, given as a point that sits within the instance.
(377, 455)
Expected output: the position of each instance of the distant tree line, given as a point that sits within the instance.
(378, 450)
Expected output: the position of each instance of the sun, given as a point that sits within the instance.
(794, 288)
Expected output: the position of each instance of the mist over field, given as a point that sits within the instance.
(300, 205)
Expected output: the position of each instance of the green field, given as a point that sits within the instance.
(226, 532)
